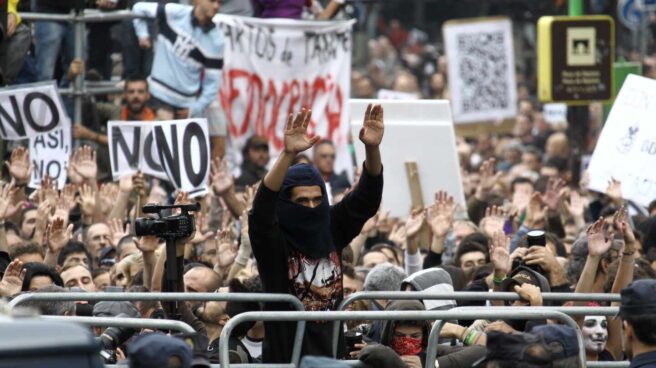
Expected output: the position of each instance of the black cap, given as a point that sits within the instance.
(518, 347)
(524, 275)
(561, 339)
(198, 344)
(639, 298)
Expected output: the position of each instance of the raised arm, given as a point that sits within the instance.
(145, 9)
(371, 135)
(622, 279)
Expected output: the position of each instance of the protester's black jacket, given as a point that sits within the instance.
(273, 253)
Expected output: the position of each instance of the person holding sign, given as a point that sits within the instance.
(297, 237)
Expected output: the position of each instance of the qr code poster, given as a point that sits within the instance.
(481, 67)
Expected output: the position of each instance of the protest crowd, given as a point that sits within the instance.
(279, 215)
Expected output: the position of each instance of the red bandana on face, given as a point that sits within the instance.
(406, 345)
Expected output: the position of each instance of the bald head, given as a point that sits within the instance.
(201, 279)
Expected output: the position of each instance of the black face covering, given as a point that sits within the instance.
(305, 229)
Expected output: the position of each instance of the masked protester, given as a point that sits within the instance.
(297, 237)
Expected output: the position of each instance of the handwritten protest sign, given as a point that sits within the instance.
(132, 148)
(626, 149)
(176, 150)
(273, 67)
(49, 155)
(31, 110)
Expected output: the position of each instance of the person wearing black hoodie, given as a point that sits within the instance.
(297, 237)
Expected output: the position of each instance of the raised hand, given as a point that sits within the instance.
(116, 231)
(494, 220)
(296, 139)
(62, 210)
(597, 242)
(57, 236)
(621, 223)
(19, 165)
(107, 197)
(68, 196)
(12, 280)
(125, 183)
(529, 292)
(48, 190)
(373, 126)
(248, 196)
(535, 212)
(87, 199)
(415, 222)
(370, 225)
(7, 206)
(72, 174)
(440, 214)
(147, 243)
(220, 178)
(500, 254)
(553, 195)
(575, 205)
(399, 235)
(488, 178)
(614, 190)
(85, 164)
(226, 252)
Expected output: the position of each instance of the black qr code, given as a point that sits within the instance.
(483, 67)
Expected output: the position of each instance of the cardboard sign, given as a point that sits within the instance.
(132, 148)
(274, 67)
(481, 69)
(31, 110)
(49, 153)
(415, 131)
(184, 151)
(626, 149)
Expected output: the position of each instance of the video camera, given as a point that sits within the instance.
(170, 227)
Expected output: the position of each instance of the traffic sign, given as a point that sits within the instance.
(630, 14)
(575, 59)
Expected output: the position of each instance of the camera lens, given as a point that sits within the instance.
(536, 237)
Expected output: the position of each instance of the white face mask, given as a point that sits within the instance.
(595, 333)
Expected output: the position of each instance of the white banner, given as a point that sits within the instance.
(481, 69)
(274, 67)
(626, 149)
(31, 110)
(184, 151)
(132, 148)
(415, 131)
(49, 154)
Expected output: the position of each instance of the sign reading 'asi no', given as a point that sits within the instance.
(575, 59)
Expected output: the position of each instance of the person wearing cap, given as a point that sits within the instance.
(638, 314)
(156, 350)
(255, 156)
(297, 237)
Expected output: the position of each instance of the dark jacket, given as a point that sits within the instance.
(250, 174)
(279, 264)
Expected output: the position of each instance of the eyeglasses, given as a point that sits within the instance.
(327, 155)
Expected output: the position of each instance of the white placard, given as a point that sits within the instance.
(184, 151)
(388, 94)
(419, 131)
(481, 67)
(132, 148)
(274, 67)
(555, 112)
(49, 154)
(626, 149)
(31, 110)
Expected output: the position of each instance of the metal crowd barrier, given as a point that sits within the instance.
(79, 20)
(431, 353)
(228, 297)
(460, 296)
(164, 324)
